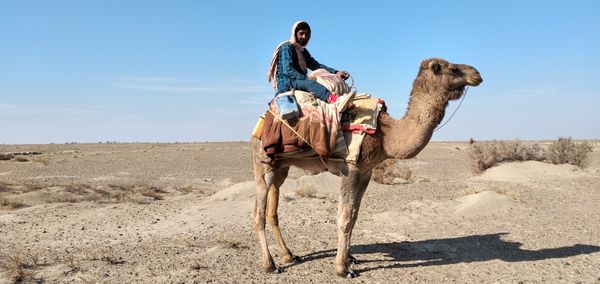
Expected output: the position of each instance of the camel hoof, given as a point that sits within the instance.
(273, 269)
(348, 274)
(292, 260)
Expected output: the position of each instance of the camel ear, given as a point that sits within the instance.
(435, 67)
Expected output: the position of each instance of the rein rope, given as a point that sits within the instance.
(461, 101)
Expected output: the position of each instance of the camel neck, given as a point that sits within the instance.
(406, 137)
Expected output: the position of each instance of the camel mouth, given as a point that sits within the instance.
(474, 81)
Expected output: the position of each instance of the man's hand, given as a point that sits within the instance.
(343, 74)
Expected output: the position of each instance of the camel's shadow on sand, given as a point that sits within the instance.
(449, 251)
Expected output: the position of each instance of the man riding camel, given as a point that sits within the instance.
(291, 59)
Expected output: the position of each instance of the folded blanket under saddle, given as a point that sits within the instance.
(318, 130)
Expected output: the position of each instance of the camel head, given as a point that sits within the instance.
(441, 76)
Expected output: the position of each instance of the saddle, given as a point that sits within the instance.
(319, 131)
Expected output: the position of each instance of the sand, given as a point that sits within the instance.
(180, 213)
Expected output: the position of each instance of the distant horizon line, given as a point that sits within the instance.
(247, 141)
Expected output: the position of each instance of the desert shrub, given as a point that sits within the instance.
(485, 155)
(19, 268)
(305, 190)
(389, 171)
(43, 160)
(150, 192)
(13, 203)
(196, 265)
(22, 159)
(6, 156)
(5, 187)
(565, 151)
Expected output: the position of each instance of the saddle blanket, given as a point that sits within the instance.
(318, 130)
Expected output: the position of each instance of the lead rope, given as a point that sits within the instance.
(461, 101)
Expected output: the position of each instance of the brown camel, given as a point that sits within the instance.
(437, 83)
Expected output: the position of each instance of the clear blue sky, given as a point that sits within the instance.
(90, 71)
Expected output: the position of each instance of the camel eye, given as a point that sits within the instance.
(436, 68)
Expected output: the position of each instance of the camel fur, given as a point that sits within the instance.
(438, 82)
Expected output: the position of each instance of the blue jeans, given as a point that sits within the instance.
(309, 86)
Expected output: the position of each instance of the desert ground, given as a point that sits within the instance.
(180, 213)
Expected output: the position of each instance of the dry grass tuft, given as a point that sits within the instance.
(6, 156)
(305, 190)
(390, 172)
(565, 151)
(80, 192)
(20, 269)
(113, 260)
(34, 187)
(196, 265)
(21, 159)
(6, 187)
(72, 263)
(79, 189)
(185, 189)
(43, 160)
(150, 192)
(231, 244)
(12, 202)
(485, 155)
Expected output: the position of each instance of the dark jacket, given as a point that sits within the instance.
(288, 68)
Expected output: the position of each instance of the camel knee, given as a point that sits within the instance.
(345, 225)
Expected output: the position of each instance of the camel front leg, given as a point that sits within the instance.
(351, 193)
(264, 182)
(273, 218)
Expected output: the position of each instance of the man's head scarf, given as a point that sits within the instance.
(272, 74)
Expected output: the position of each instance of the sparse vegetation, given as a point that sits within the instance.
(113, 260)
(565, 151)
(196, 265)
(485, 155)
(72, 263)
(42, 160)
(6, 157)
(5, 187)
(21, 159)
(79, 192)
(20, 269)
(12, 202)
(231, 244)
(390, 172)
(306, 190)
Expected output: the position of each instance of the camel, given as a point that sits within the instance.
(438, 82)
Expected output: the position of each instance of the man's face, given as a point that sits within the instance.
(303, 36)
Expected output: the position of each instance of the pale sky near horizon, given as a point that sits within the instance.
(165, 71)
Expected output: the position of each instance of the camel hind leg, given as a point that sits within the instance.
(272, 217)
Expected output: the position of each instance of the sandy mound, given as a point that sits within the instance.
(528, 171)
(238, 192)
(430, 211)
(324, 183)
(483, 203)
